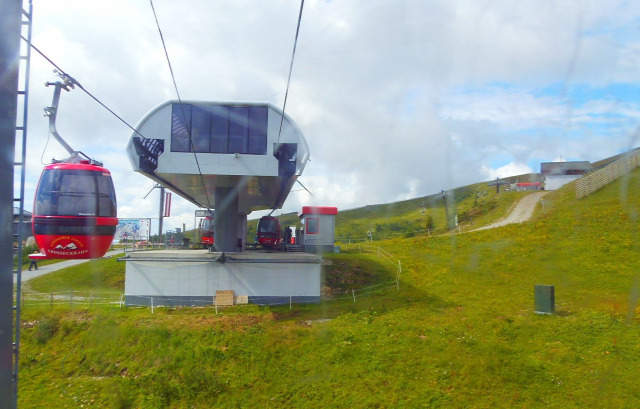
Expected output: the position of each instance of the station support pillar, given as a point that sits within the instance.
(226, 219)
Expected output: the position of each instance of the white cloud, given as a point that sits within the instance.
(510, 169)
(395, 98)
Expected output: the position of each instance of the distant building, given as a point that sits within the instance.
(558, 174)
(26, 223)
(520, 186)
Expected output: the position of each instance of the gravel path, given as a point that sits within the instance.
(28, 275)
(521, 212)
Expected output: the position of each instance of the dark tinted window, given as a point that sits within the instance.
(201, 128)
(107, 206)
(75, 193)
(180, 124)
(207, 226)
(267, 226)
(257, 131)
(219, 129)
(238, 129)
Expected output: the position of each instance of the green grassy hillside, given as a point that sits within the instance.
(459, 332)
(475, 206)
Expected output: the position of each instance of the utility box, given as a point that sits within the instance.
(545, 299)
(319, 228)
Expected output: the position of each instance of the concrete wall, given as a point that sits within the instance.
(196, 283)
(325, 235)
(556, 182)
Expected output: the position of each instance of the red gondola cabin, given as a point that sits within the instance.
(75, 212)
(269, 233)
(206, 231)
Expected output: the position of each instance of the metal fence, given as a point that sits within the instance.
(72, 298)
(594, 181)
(89, 298)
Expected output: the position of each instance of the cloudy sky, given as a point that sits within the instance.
(396, 99)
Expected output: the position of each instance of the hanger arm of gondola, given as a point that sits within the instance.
(52, 112)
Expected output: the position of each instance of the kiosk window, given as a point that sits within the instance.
(313, 225)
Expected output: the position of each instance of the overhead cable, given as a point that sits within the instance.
(175, 85)
(293, 54)
(75, 82)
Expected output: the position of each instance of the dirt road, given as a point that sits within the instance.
(520, 213)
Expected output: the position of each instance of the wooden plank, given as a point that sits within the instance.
(224, 297)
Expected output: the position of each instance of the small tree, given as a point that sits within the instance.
(430, 223)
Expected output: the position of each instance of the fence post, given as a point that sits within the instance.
(91, 298)
(71, 298)
(354, 295)
(51, 302)
(290, 303)
(121, 296)
(151, 305)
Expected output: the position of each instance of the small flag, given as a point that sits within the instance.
(167, 205)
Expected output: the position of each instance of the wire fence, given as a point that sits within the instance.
(72, 298)
(89, 298)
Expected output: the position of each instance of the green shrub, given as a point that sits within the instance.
(45, 329)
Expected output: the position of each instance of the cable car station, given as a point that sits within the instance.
(232, 159)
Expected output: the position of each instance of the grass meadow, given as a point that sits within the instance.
(458, 331)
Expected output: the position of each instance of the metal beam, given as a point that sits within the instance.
(10, 27)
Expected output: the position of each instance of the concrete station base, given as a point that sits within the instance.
(193, 277)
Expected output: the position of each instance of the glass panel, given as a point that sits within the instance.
(219, 129)
(106, 196)
(238, 129)
(47, 194)
(200, 128)
(267, 226)
(258, 130)
(77, 194)
(180, 122)
(313, 225)
(73, 193)
(207, 226)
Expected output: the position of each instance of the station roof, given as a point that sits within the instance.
(202, 149)
(319, 210)
(565, 168)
